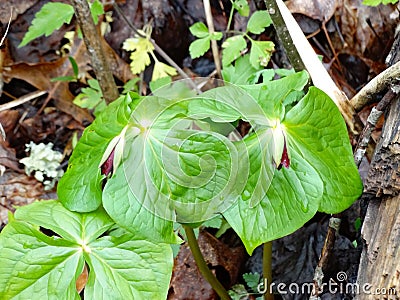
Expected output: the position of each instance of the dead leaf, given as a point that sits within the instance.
(82, 280)
(224, 262)
(17, 190)
(314, 9)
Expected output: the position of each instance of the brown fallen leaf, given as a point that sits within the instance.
(39, 75)
(224, 262)
(18, 189)
(82, 279)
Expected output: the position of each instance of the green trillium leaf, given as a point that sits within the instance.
(32, 263)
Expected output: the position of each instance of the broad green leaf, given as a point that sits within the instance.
(129, 213)
(96, 9)
(199, 30)
(199, 47)
(242, 7)
(51, 17)
(121, 264)
(32, 263)
(258, 21)
(182, 175)
(292, 200)
(140, 47)
(128, 268)
(271, 95)
(50, 214)
(227, 104)
(315, 128)
(162, 70)
(80, 189)
(260, 53)
(241, 72)
(322, 174)
(232, 48)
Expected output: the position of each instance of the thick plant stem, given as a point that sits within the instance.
(214, 46)
(284, 35)
(92, 41)
(202, 265)
(267, 270)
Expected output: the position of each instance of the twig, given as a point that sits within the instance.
(214, 46)
(156, 48)
(8, 27)
(267, 270)
(379, 83)
(334, 225)
(95, 50)
(21, 100)
(202, 265)
(373, 118)
(314, 66)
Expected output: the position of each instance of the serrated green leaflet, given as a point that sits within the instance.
(242, 7)
(80, 187)
(232, 48)
(32, 263)
(50, 18)
(241, 73)
(258, 21)
(260, 53)
(198, 47)
(199, 30)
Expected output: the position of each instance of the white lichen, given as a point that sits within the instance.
(43, 163)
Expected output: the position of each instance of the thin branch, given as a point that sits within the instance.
(157, 48)
(95, 50)
(379, 83)
(373, 118)
(211, 30)
(334, 225)
(22, 100)
(202, 265)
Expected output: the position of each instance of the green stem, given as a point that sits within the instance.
(228, 27)
(267, 269)
(284, 35)
(202, 265)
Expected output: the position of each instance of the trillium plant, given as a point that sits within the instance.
(149, 162)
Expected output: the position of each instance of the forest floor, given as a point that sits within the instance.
(352, 38)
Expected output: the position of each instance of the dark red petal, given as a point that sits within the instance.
(107, 167)
(285, 161)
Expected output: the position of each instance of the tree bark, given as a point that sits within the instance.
(380, 260)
